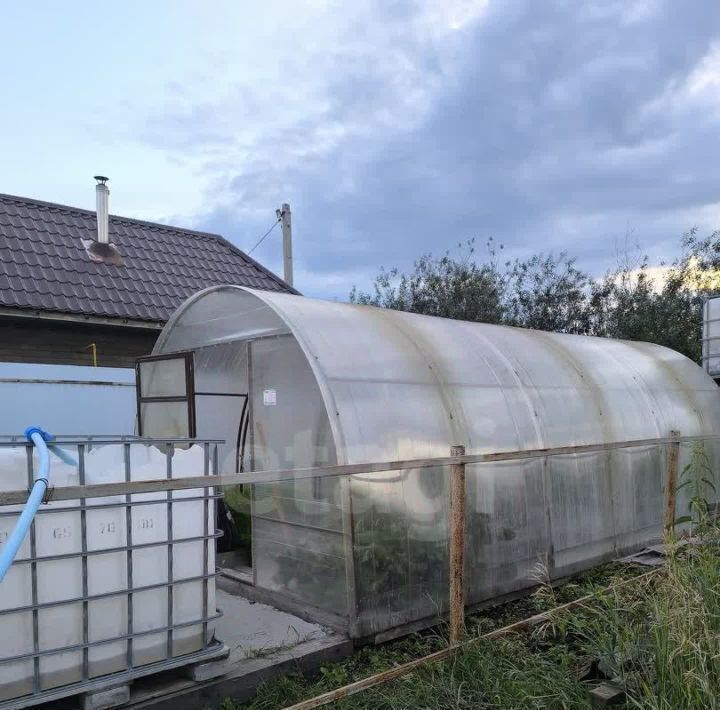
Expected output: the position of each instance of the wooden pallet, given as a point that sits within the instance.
(113, 690)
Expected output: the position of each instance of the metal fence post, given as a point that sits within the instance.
(671, 480)
(457, 546)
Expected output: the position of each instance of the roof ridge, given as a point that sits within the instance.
(115, 217)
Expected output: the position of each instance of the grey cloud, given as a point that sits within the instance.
(551, 115)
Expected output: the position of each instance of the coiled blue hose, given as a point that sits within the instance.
(12, 544)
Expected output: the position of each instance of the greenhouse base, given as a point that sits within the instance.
(239, 582)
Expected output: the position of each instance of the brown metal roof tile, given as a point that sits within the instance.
(44, 264)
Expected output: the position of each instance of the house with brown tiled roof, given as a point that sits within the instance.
(71, 294)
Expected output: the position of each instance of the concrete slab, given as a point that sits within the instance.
(239, 584)
(251, 629)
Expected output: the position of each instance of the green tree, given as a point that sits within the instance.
(448, 286)
(549, 292)
(630, 304)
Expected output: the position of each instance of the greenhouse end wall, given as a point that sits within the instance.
(381, 385)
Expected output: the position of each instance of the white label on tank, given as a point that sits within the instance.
(269, 398)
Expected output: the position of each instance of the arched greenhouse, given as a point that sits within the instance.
(291, 382)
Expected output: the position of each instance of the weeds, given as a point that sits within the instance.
(490, 674)
(265, 651)
(661, 640)
(698, 477)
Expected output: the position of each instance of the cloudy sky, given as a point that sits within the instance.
(392, 128)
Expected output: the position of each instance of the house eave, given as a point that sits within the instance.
(34, 314)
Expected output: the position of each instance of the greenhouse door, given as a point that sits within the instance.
(165, 396)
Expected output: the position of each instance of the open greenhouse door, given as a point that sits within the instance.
(204, 394)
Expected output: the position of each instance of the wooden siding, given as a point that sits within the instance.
(67, 343)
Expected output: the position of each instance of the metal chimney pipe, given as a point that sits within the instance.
(102, 198)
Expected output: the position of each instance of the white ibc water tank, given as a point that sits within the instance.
(127, 592)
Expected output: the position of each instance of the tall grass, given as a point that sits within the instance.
(661, 640)
(490, 674)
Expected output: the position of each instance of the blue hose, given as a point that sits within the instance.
(12, 544)
(63, 455)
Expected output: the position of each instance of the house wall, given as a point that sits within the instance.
(67, 343)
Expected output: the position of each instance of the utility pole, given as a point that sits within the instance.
(285, 217)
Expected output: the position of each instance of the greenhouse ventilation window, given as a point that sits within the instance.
(165, 395)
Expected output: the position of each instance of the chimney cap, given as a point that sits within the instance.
(101, 179)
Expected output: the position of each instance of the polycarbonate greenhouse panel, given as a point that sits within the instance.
(357, 384)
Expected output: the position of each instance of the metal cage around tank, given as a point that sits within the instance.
(180, 634)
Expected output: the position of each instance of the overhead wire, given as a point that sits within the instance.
(262, 239)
